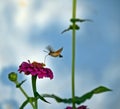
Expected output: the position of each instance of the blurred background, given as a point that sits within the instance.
(28, 26)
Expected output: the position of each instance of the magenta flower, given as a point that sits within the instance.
(68, 107)
(35, 69)
(80, 107)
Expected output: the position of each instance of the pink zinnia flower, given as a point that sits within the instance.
(68, 107)
(82, 107)
(35, 69)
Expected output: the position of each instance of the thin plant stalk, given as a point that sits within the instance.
(34, 78)
(24, 93)
(73, 51)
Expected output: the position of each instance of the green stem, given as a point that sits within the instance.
(24, 93)
(34, 78)
(73, 51)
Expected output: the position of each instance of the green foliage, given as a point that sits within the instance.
(58, 99)
(71, 28)
(89, 95)
(80, 20)
(101, 89)
(79, 100)
(19, 84)
(41, 97)
(24, 104)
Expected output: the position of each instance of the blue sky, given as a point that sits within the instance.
(28, 26)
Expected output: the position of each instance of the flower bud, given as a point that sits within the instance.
(12, 76)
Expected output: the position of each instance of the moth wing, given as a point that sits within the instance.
(49, 48)
(59, 50)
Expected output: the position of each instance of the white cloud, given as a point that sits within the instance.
(14, 36)
(111, 74)
(2, 91)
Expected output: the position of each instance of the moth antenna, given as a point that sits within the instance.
(45, 51)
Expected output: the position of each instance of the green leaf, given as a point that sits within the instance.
(78, 100)
(41, 97)
(80, 20)
(19, 84)
(70, 28)
(101, 89)
(58, 99)
(24, 104)
(89, 95)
